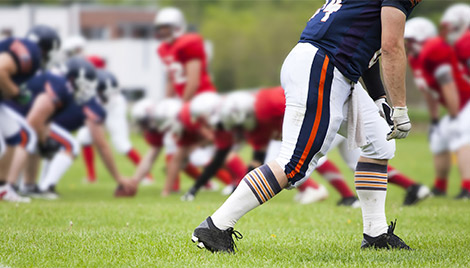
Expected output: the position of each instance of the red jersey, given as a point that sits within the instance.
(175, 55)
(190, 134)
(462, 49)
(270, 105)
(154, 138)
(435, 54)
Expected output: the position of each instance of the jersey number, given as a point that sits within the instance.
(328, 8)
(177, 72)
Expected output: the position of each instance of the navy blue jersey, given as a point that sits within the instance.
(73, 116)
(349, 31)
(26, 55)
(55, 86)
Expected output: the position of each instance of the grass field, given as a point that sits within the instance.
(149, 231)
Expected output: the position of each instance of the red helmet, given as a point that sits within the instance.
(97, 61)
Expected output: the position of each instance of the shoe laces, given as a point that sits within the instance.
(393, 237)
(234, 234)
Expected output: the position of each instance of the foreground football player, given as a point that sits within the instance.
(320, 77)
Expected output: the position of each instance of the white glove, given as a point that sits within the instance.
(384, 110)
(401, 123)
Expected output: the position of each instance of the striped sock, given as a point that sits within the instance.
(371, 188)
(256, 188)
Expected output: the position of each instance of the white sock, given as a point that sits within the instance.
(256, 188)
(57, 167)
(371, 188)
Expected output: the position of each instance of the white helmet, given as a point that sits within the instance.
(417, 31)
(142, 110)
(457, 20)
(420, 29)
(74, 45)
(173, 17)
(165, 115)
(206, 106)
(238, 109)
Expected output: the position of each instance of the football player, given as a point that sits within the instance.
(320, 78)
(20, 59)
(85, 110)
(443, 81)
(116, 123)
(455, 24)
(183, 54)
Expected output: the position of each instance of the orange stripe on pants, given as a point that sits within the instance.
(314, 131)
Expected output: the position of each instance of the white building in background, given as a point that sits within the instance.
(122, 35)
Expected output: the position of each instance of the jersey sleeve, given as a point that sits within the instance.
(193, 48)
(406, 6)
(94, 112)
(26, 56)
(154, 138)
(59, 90)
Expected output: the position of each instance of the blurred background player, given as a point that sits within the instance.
(20, 59)
(442, 79)
(88, 111)
(116, 109)
(186, 61)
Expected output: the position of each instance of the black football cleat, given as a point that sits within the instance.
(464, 194)
(438, 193)
(416, 193)
(388, 240)
(208, 236)
(351, 201)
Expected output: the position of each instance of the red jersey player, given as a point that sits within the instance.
(442, 79)
(183, 54)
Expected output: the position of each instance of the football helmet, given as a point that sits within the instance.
(417, 31)
(165, 116)
(74, 46)
(455, 21)
(47, 40)
(141, 113)
(238, 110)
(206, 106)
(83, 78)
(107, 85)
(173, 17)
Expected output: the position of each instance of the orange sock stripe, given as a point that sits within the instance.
(384, 175)
(369, 179)
(371, 185)
(268, 187)
(260, 184)
(250, 180)
(314, 131)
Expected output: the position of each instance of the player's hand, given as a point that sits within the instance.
(48, 148)
(401, 124)
(128, 185)
(384, 110)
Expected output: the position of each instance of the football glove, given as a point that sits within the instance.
(401, 124)
(49, 148)
(384, 110)
(24, 96)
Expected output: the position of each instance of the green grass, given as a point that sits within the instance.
(149, 231)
